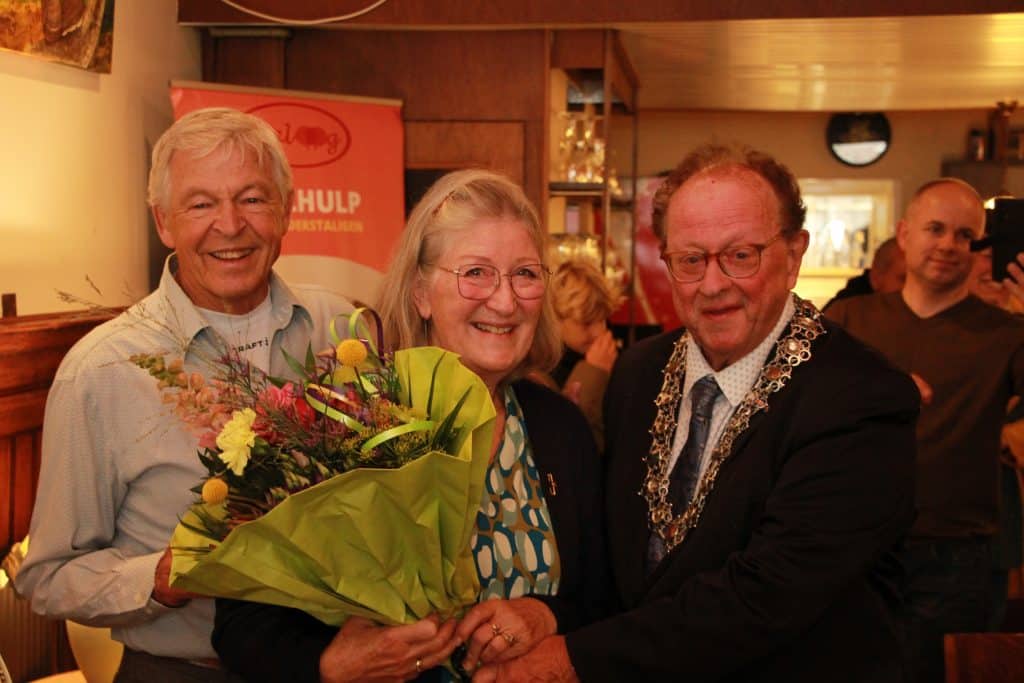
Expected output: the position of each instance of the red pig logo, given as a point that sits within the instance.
(311, 136)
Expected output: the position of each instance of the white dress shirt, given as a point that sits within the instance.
(735, 382)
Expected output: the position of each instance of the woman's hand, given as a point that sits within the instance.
(500, 630)
(603, 352)
(365, 651)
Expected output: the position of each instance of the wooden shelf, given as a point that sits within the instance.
(562, 189)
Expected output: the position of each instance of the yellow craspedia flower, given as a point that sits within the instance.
(351, 352)
(215, 491)
(236, 440)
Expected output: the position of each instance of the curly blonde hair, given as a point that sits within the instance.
(580, 292)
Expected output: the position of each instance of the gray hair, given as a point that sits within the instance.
(205, 131)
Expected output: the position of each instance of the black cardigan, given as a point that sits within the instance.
(267, 642)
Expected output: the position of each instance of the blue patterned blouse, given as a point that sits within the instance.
(514, 544)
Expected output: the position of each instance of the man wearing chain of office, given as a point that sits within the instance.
(760, 463)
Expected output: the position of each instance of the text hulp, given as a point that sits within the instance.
(326, 201)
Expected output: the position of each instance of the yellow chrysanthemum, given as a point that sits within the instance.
(215, 491)
(236, 440)
(351, 352)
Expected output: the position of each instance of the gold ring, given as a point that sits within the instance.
(509, 638)
(495, 630)
(419, 666)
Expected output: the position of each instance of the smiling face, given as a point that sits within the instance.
(712, 211)
(493, 335)
(225, 221)
(936, 236)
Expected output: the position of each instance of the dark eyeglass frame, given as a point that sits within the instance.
(460, 275)
(666, 256)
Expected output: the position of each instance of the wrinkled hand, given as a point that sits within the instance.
(498, 630)
(603, 352)
(162, 591)
(365, 651)
(923, 387)
(548, 662)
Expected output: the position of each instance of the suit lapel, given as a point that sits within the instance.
(627, 522)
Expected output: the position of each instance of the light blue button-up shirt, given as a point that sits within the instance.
(118, 466)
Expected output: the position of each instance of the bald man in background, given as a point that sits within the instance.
(967, 358)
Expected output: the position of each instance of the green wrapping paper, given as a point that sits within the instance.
(391, 545)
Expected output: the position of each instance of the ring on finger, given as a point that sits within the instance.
(509, 637)
(419, 666)
(495, 630)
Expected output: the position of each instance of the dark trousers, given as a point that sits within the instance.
(948, 589)
(141, 667)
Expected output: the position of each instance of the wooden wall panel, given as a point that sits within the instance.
(479, 76)
(31, 348)
(255, 61)
(436, 13)
(458, 144)
(454, 75)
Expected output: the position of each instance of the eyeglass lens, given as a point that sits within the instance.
(739, 262)
(480, 281)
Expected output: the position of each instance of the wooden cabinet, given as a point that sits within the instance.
(592, 152)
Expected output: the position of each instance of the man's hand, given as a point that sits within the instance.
(162, 591)
(923, 388)
(1014, 283)
(548, 662)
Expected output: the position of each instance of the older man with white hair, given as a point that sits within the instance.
(117, 466)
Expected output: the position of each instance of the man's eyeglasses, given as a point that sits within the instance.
(738, 262)
(479, 281)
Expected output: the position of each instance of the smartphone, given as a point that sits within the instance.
(1006, 228)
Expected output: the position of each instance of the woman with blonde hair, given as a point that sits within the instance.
(469, 276)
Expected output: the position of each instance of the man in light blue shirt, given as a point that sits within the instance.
(117, 464)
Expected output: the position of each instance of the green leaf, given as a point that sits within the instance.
(446, 432)
(295, 365)
(433, 380)
(310, 360)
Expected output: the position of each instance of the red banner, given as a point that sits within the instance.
(346, 158)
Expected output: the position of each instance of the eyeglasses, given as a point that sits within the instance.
(737, 262)
(478, 281)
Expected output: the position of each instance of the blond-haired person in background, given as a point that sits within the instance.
(584, 301)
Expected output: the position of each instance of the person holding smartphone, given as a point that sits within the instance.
(967, 358)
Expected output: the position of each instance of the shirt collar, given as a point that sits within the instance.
(737, 379)
(284, 304)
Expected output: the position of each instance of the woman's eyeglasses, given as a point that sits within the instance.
(478, 281)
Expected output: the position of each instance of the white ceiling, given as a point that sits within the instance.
(878, 63)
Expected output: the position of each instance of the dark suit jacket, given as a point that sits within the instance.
(270, 643)
(788, 574)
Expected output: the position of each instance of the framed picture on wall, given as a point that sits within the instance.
(847, 220)
(75, 32)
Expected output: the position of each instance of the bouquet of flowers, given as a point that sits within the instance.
(352, 491)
